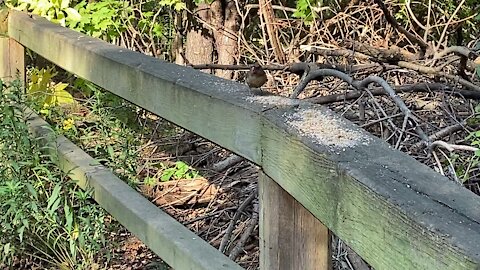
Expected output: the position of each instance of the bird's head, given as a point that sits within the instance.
(255, 68)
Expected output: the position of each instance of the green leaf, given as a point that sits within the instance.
(167, 174)
(73, 15)
(179, 6)
(32, 190)
(64, 4)
(60, 96)
(68, 217)
(110, 151)
(52, 200)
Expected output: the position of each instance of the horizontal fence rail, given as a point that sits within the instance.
(393, 211)
(179, 247)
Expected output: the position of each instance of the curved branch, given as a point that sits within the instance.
(460, 50)
(452, 147)
(389, 90)
(318, 74)
(361, 85)
(388, 16)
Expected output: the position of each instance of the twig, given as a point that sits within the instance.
(315, 74)
(251, 6)
(461, 81)
(377, 91)
(451, 147)
(412, 15)
(252, 223)
(460, 50)
(299, 68)
(439, 164)
(231, 226)
(388, 55)
(229, 161)
(436, 71)
(441, 133)
(442, 36)
(357, 262)
(235, 67)
(388, 16)
(380, 120)
(334, 52)
(370, 79)
(212, 214)
(362, 85)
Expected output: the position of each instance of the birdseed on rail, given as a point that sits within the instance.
(273, 100)
(324, 128)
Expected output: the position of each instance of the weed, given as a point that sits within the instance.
(43, 214)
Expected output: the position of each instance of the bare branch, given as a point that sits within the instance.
(252, 223)
(388, 16)
(451, 147)
(231, 226)
(442, 133)
(408, 88)
(459, 50)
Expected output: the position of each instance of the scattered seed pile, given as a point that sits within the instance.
(324, 128)
(273, 100)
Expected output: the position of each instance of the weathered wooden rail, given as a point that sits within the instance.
(393, 211)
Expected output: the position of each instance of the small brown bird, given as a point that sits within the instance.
(256, 76)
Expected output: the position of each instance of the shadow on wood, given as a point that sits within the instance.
(290, 236)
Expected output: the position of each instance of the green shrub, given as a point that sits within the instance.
(43, 213)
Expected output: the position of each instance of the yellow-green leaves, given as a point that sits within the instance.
(176, 4)
(57, 11)
(46, 93)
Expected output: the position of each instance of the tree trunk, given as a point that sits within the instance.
(199, 44)
(219, 24)
(227, 22)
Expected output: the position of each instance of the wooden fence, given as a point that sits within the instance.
(317, 167)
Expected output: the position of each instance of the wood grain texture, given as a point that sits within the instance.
(173, 242)
(290, 236)
(393, 211)
(12, 60)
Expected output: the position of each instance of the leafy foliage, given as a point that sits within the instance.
(42, 212)
(102, 19)
(305, 9)
(58, 11)
(43, 91)
(180, 170)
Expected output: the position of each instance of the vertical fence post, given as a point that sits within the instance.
(290, 236)
(12, 55)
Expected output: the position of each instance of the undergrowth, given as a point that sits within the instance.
(45, 218)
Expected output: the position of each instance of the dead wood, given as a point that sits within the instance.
(409, 88)
(413, 38)
(252, 223)
(390, 55)
(335, 52)
(228, 162)
(451, 147)
(266, 11)
(235, 67)
(313, 72)
(441, 134)
(459, 50)
(437, 71)
(231, 225)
